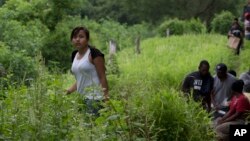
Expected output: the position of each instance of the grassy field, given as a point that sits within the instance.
(145, 104)
(168, 60)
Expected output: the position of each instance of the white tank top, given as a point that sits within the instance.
(87, 80)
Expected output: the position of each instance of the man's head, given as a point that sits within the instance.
(204, 68)
(237, 87)
(221, 70)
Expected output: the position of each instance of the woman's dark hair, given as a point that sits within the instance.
(237, 86)
(76, 30)
(204, 62)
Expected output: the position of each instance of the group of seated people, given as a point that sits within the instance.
(223, 95)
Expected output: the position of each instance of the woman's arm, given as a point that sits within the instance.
(72, 89)
(100, 68)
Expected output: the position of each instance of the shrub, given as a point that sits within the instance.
(27, 37)
(222, 22)
(196, 26)
(179, 27)
(176, 27)
(18, 67)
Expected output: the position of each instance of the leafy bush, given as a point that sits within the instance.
(222, 22)
(57, 48)
(179, 27)
(41, 112)
(176, 27)
(196, 26)
(19, 68)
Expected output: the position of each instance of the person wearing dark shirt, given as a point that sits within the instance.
(199, 85)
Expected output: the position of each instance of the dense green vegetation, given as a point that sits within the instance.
(146, 103)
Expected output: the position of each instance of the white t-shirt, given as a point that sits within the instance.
(223, 90)
(87, 80)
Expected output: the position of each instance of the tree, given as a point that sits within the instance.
(132, 12)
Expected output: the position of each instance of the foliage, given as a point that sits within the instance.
(243, 63)
(132, 12)
(196, 26)
(179, 27)
(27, 38)
(222, 22)
(18, 67)
(176, 27)
(40, 111)
(174, 120)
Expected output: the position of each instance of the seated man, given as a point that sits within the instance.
(239, 108)
(221, 90)
(201, 84)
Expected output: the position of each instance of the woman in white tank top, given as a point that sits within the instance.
(89, 70)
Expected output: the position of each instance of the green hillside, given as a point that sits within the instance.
(168, 60)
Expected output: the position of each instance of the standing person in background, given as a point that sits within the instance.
(221, 90)
(199, 84)
(246, 20)
(237, 31)
(89, 70)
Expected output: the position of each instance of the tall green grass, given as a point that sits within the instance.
(167, 60)
(244, 62)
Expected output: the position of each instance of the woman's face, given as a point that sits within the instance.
(80, 40)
